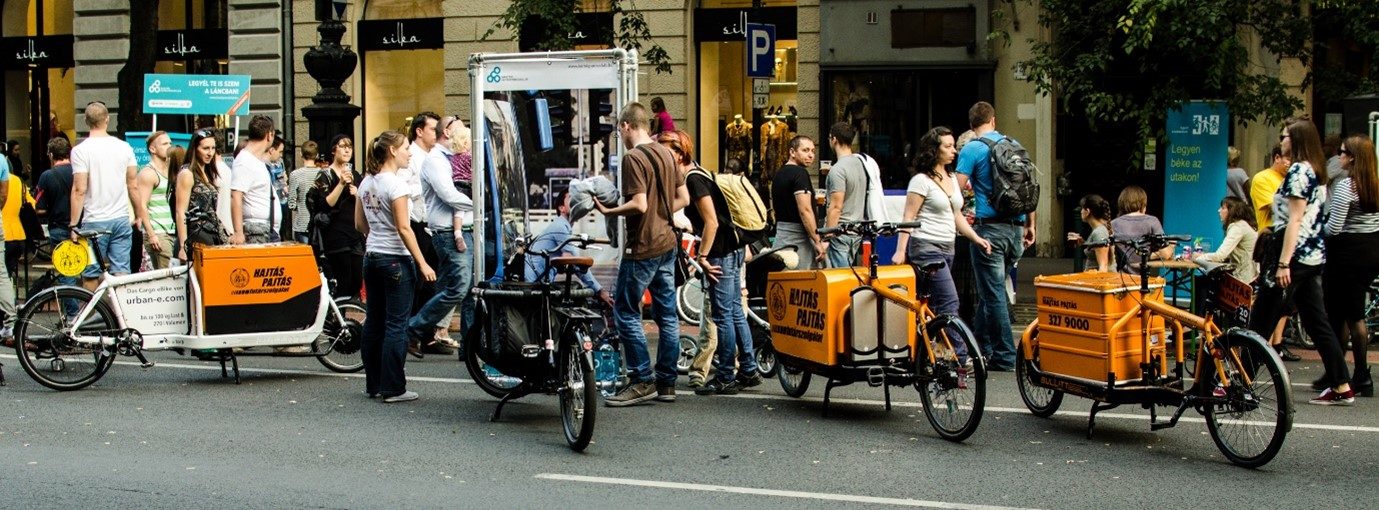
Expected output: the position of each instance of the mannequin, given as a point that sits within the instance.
(775, 143)
(739, 140)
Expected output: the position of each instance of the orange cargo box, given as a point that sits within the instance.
(826, 317)
(1076, 313)
(258, 288)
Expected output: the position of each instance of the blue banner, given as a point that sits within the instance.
(199, 94)
(1195, 171)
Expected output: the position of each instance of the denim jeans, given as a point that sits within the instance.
(113, 247)
(453, 281)
(730, 318)
(943, 292)
(844, 250)
(634, 278)
(993, 305)
(390, 282)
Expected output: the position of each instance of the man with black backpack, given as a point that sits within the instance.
(1004, 182)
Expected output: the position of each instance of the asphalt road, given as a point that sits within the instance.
(294, 435)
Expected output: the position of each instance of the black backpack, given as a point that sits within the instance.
(1014, 178)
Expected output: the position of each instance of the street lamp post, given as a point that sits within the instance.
(330, 112)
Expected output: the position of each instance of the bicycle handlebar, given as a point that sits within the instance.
(868, 229)
(533, 292)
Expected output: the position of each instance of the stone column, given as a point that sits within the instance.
(256, 50)
(101, 33)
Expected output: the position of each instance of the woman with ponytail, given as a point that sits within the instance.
(1096, 213)
(392, 261)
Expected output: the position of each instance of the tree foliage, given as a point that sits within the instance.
(555, 19)
(1128, 61)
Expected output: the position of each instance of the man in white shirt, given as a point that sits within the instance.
(253, 202)
(103, 187)
(424, 136)
(446, 205)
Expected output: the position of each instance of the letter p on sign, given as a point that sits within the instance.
(761, 50)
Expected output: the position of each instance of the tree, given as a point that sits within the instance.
(1128, 61)
(555, 19)
(143, 55)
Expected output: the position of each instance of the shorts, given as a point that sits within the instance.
(113, 247)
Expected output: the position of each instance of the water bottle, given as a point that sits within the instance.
(606, 366)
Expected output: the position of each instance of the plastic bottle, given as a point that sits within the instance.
(606, 365)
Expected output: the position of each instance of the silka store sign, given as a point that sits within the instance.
(46, 51)
(402, 34)
(193, 44)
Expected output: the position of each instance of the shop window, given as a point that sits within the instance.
(926, 28)
(39, 79)
(401, 43)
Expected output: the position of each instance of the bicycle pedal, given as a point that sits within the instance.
(876, 376)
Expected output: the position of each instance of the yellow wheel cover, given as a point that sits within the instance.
(71, 258)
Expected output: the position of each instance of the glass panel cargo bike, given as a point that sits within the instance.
(1105, 337)
(230, 299)
(540, 338)
(863, 324)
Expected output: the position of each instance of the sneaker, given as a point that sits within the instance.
(406, 396)
(749, 380)
(367, 394)
(718, 387)
(665, 393)
(435, 347)
(633, 394)
(1287, 355)
(296, 349)
(1329, 397)
(696, 382)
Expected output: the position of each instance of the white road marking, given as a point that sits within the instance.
(750, 396)
(824, 496)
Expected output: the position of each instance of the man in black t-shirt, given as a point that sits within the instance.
(792, 196)
(54, 196)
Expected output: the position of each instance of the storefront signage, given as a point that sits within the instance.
(1195, 169)
(761, 50)
(402, 34)
(42, 51)
(731, 24)
(206, 94)
(193, 44)
(547, 74)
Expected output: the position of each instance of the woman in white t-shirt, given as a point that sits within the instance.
(935, 200)
(391, 263)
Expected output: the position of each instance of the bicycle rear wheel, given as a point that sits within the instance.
(1041, 401)
(578, 392)
(1249, 427)
(794, 381)
(954, 394)
(45, 344)
(689, 300)
(488, 379)
(341, 342)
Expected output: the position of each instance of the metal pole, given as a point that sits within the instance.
(478, 127)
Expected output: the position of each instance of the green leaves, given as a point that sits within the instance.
(555, 19)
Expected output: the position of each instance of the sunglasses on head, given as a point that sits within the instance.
(204, 133)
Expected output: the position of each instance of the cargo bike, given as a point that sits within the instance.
(1110, 337)
(232, 301)
(540, 338)
(865, 324)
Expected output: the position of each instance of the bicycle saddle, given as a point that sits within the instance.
(932, 266)
(91, 232)
(568, 263)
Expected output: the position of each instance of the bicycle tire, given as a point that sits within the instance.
(1261, 409)
(578, 394)
(55, 347)
(689, 300)
(794, 381)
(342, 344)
(689, 349)
(767, 361)
(1040, 401)
(476, 366)
(953, 398)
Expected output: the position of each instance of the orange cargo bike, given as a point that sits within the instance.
(232, 298)
(863, 324)
(1111, 338)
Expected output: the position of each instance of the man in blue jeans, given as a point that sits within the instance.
(653, 189)
(445, 204)
(1008, 235)
(103, 187)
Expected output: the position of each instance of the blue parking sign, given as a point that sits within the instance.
(761, 50)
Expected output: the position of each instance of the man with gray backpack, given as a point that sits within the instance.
(1004, 181)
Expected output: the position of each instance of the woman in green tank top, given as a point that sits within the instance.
(153, 209)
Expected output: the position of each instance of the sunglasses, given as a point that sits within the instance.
(204, 133)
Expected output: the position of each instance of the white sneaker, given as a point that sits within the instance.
(406, 396)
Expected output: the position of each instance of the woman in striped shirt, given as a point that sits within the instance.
(1354, 244)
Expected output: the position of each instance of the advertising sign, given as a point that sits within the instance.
(761, 50)
(197, 94)
(552, 74)
(155, 307)
(1195, 169)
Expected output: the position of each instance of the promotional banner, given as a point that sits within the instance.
(1195, 171)
(138, 140)
(552, 74)
(199, 94)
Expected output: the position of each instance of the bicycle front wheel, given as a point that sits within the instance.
(579, 392)
(45, 339)
(1256, 411)
(339, 344)
(952, 389)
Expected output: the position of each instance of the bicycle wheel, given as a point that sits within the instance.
(1041, 401)
(767, 363)
(690, 300)
(1372, 312)
(45, 344)
(689, 348)
(794, 381)
(954, 395)
(485, 377)
(578, 393)
(1249, 427)
(341, 342)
